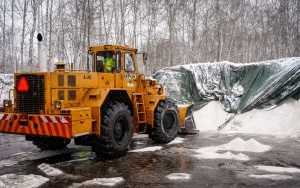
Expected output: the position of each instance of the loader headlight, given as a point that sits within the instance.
(7, 103)
(57, 105)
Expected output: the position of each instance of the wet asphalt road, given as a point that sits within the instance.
(149, 169)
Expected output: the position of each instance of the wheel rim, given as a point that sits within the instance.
(169, 121)
(120, 130)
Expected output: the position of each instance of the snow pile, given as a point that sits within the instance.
(49, 170)
(236, 144)
(281, 121)
(179, 176)
(226, 155)
(210, 117)
(24, 181)
(99, 182)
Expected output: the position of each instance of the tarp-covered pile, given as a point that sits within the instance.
(240, 87)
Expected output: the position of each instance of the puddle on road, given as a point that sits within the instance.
(149, 168)
(172, 165)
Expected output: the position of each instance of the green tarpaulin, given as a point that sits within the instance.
(240, 87)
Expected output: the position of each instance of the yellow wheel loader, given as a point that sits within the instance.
(100, 107)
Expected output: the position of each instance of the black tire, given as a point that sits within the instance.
(116, 131)
(166, 122)
(51, 143)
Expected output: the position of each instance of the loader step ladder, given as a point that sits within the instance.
(140, 107)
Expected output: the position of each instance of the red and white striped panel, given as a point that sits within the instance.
(43, 125)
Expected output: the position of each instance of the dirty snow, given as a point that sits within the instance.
(179, 176)
(15, 158)
(99, 182)
(24, 181)
(49, 170)
(154, 148)
(274, 169)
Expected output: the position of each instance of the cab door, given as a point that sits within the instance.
(130, 72)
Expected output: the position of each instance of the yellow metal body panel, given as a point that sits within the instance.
(81, 121)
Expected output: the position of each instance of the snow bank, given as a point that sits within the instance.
(280, 121)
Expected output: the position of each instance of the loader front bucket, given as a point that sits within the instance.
(187, 122)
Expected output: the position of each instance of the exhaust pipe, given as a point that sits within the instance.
(42, 57)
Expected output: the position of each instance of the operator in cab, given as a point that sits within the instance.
(109, 62)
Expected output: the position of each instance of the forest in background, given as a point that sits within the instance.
(172, 32)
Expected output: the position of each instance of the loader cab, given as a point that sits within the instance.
(124, 59)
(124, 74)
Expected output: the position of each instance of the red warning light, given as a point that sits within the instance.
(23, 85)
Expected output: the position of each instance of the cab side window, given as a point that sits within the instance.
(99, 62)
(129, 62)
(118, 61)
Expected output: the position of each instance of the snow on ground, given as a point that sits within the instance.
(177, 140)
(179, 176)
(24, 181)
(278, 169)
(49, 170)
(154, 148)
(280, 121)
(14, 159)
(274, 169)
(271, 176)
(99, 182)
